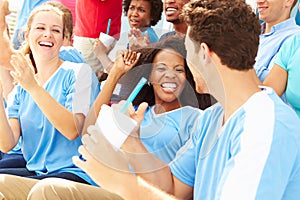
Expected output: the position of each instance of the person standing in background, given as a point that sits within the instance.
(92, 17)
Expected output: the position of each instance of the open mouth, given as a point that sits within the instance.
(46, 44)
(134, 22)
(169, 87)
(170, 10)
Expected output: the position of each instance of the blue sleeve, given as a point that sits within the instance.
(285, 52)
(183, 167)
(71, 54)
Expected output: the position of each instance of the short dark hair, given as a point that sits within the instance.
(229, 28)
(155, 13)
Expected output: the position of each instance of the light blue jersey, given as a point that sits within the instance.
(44, 148)
(164, 134)
(254, 155)
(152, 35)
(66, 54)
(288, 58)
(270, 43)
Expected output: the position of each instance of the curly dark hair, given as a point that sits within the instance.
(156, 9)
(188, 96)
(229, 28)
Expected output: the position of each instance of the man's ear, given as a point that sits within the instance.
(205, 53)
(289, 3)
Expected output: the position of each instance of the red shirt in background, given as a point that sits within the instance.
(92, 17)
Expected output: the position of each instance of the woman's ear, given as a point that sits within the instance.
(26, 35)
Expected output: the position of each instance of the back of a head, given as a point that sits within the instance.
(229, 28)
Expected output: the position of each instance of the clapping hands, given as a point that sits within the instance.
(137, 40)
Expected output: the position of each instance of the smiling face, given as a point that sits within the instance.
(45, 36)
(139, 14)
(173, 9)
(168, 76)
(273, 11)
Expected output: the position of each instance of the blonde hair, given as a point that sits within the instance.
(25, 48)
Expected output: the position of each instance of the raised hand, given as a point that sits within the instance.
(137, 40)
(4, 8)
(23, 72)
(125, 61)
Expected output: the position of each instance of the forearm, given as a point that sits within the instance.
(147, 166)
(7, 141)
(5, 44)
(103, 98)
(6, 78)
(106, 62)
(130, 187)
(66, 122)
(133, 187)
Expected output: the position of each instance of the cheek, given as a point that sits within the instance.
(146, 19)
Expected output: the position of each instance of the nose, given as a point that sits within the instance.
(260, 1)
(170, 73)
(47, 33)
(135, 12)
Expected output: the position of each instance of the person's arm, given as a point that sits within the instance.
(124, 184)
(101, 52)
(10, 129)
(7, 81)
(277, 79)
(113, 162)
(72, 124)
(5, 42)
(124, 62)
(154, 170)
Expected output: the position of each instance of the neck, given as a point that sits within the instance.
(236, 87)
(180, 27)
(239, 87)
(269, 25)
(46, 68)
(166, 106)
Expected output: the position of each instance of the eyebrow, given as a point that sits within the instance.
(55, 25)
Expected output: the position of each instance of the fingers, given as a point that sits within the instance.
(131, 57)
(139, 114)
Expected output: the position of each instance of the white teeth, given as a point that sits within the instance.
(49, 44)
(171, 9)
(169, 85)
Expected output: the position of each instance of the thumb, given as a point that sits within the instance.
(139, 114)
